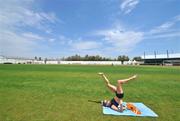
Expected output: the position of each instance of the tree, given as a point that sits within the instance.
(87, 58)
(40, 58)
(123, 58)
(45, 60)
(76, 58)
(138, 58)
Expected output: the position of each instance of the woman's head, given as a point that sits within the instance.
(106, 103)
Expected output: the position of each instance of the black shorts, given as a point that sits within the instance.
(113, 102)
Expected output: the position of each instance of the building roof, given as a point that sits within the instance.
(161, 56)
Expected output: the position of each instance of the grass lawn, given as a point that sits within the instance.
(61, 92)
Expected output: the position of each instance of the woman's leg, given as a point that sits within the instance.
(114, 108)
(122, 81)
(119, 87)
(110, 86)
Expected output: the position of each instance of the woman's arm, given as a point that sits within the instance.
(104, 77)
(117, 109)
(120, 106)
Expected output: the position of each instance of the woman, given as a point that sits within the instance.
(116, 102)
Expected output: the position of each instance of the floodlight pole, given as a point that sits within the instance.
(144, 55)
(155, 57)
(167, 54)
(155, 54)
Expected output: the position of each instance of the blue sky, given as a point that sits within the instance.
(61, 28)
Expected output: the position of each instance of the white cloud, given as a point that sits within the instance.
(13, 44)
(51, 40)
(118, 39)
(121, 40)
(31, 36)
(15, 17)
(177, 18)
(167, 29)
(21, 13)
(128, 5)
(85, 45)
(164, 35)
(162, 28)
(78, 44)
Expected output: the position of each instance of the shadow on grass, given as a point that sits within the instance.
(95, 101)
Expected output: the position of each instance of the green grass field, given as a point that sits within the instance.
(61, 92)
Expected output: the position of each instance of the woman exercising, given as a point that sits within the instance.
(116, 102)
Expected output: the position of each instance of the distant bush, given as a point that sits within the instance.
(7, 63)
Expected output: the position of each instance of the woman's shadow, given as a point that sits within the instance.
(95, 101)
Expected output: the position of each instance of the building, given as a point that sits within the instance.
(13, 60)
(162, 59)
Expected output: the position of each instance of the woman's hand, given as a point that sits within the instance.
(100, 73)
(120, 108)
(135, 76)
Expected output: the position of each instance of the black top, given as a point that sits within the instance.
(120, 95)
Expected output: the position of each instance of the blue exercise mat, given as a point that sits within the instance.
(145, 111)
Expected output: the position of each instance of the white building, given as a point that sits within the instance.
(5, 60)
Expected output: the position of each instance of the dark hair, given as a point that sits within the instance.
(106, 103)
